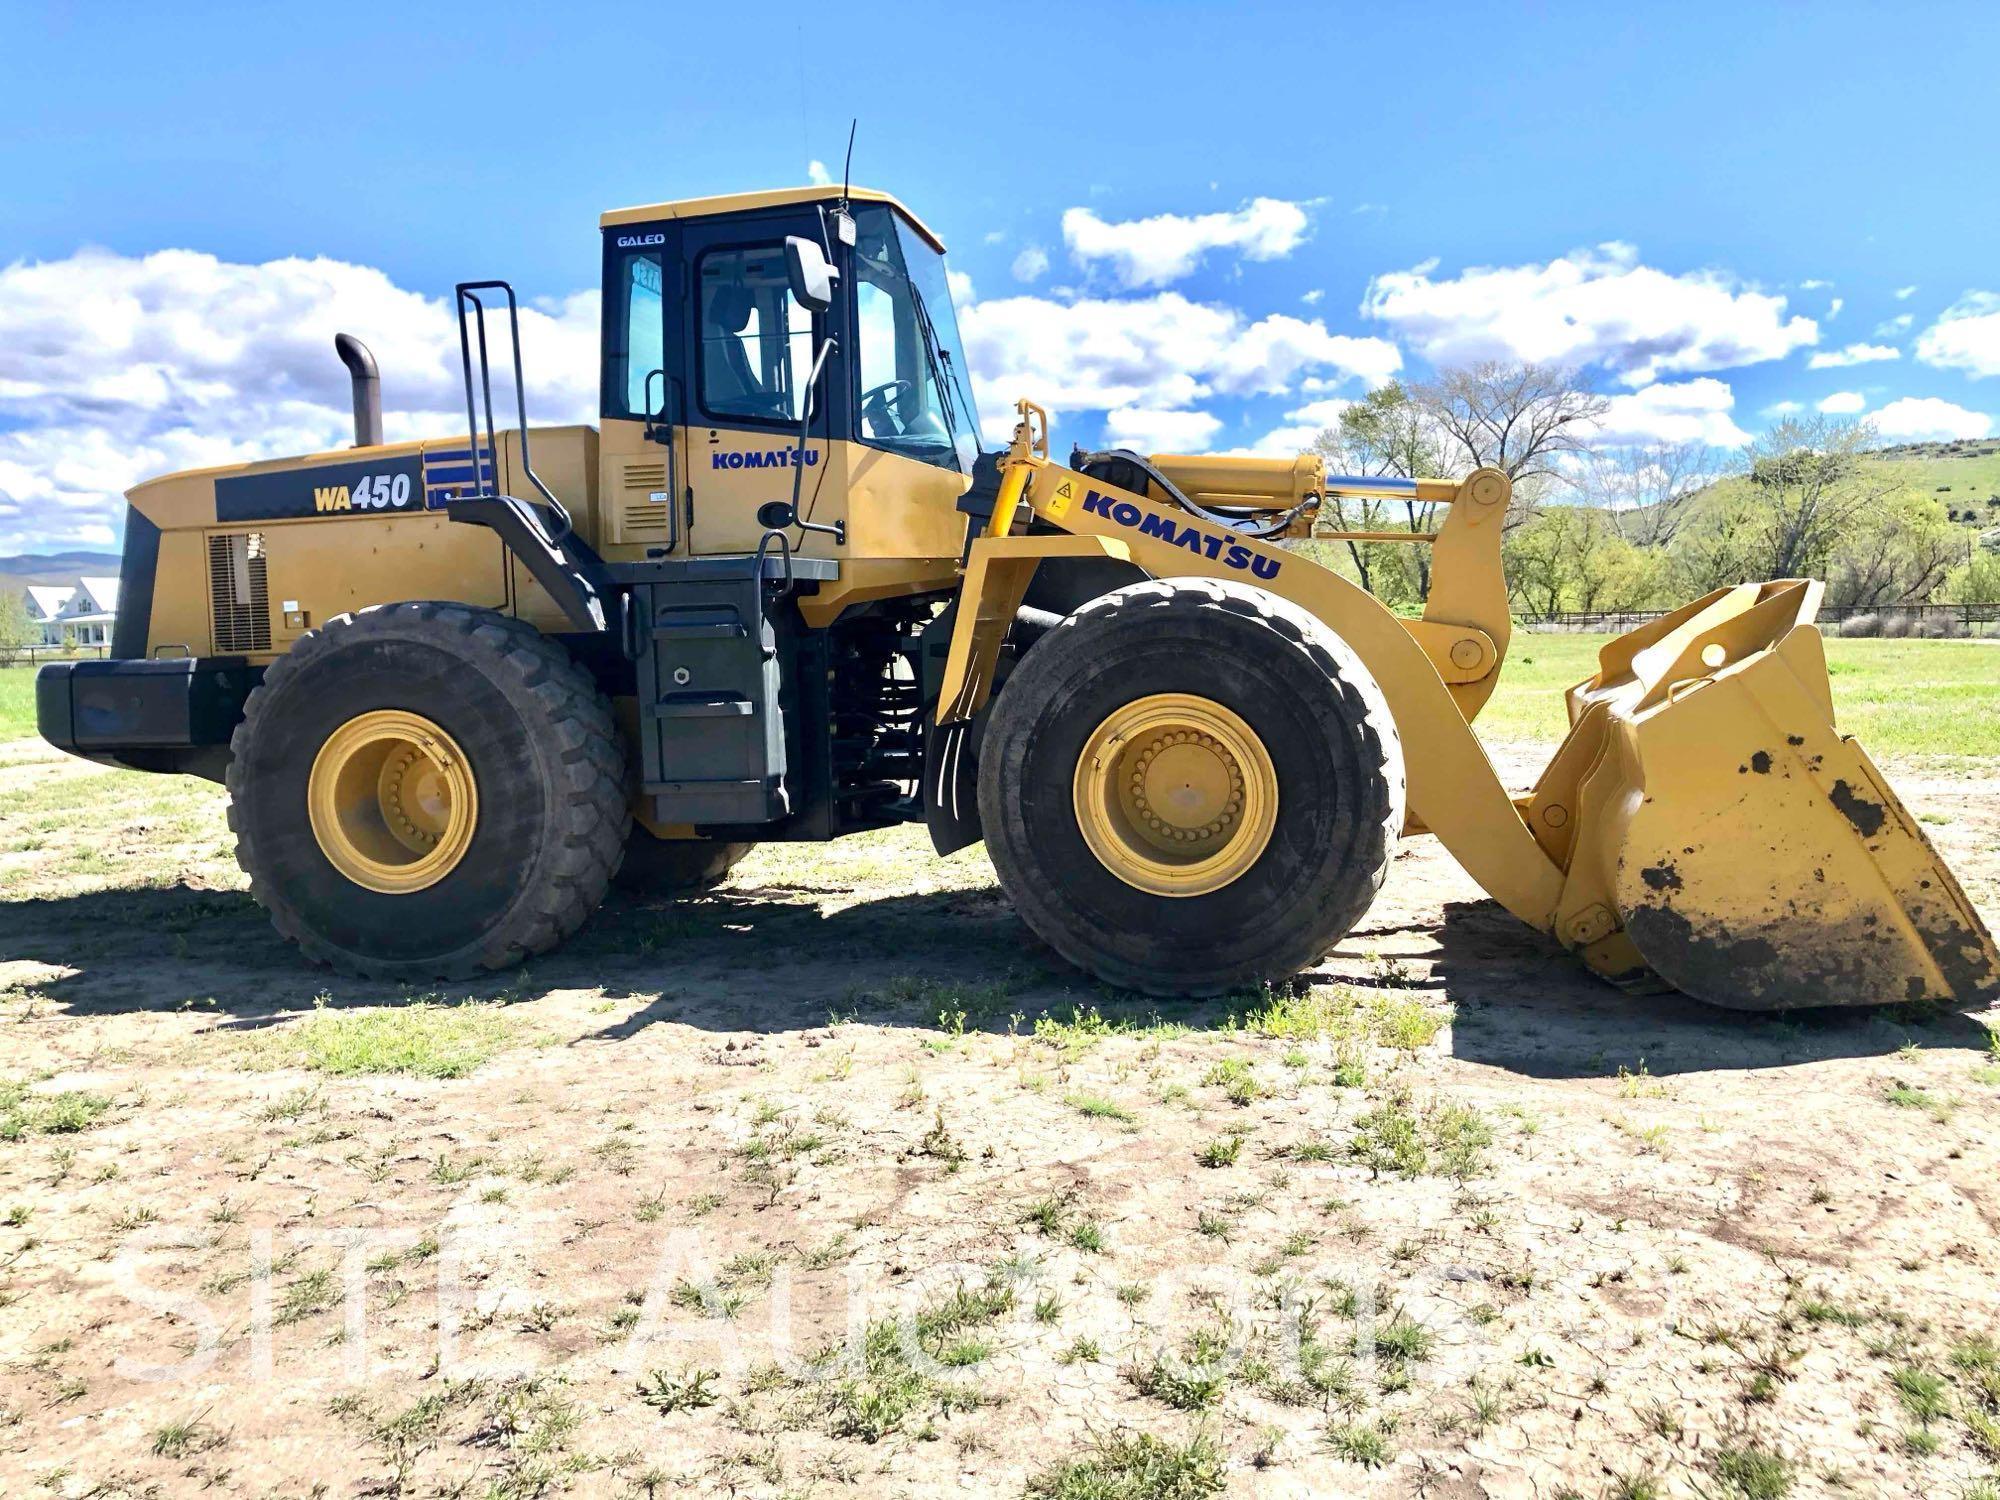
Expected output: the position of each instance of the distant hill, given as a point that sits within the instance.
(1963, 477)
(24, 568)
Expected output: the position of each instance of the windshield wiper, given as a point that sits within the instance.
(934, 352)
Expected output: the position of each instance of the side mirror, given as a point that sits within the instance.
(812, 278)
(776, 515)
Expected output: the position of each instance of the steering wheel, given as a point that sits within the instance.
(875, 403)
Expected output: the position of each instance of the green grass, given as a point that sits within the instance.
(1896, 697)
(422, 1038)
(24, 1113)
(1136, 1466)
(17, 702)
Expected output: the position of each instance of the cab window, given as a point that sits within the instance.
(909, 368)
(756, 341)
(634, 355)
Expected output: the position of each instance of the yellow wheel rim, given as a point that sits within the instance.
(392, 801)
(1176, 795)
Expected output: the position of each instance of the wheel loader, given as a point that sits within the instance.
(780, 591)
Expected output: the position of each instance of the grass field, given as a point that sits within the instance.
(17, 702)
(1899, 697)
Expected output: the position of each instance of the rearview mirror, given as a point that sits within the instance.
(812, 278)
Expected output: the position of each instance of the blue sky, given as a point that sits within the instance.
(1355, 190)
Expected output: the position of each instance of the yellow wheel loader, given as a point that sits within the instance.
(778, 592)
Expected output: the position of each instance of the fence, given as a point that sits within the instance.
(28, 656)
(1890, 621)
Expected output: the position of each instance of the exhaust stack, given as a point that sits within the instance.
(367, 389)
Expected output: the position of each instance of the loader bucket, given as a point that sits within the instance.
(1722, 836)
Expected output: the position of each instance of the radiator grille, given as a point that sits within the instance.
(639, 514)
(238, 593)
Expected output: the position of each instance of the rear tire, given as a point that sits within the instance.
(531, 753)
(677, 867)
(1247, 661)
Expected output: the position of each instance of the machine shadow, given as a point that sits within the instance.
(1526, 1006)
(770, 959)
(764, 958)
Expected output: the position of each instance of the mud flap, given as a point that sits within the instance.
(1730, 840)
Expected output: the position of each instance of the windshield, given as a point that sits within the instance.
(914, 394)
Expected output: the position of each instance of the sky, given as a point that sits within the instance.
(1181, 227)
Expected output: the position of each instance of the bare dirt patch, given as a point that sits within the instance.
(836, 1183)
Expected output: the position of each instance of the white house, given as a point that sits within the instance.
(81, 614)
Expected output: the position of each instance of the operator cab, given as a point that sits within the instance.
(712, 336)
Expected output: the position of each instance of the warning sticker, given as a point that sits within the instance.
(1064, 497)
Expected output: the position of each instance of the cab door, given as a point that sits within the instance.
(642, 448)
(749, 357)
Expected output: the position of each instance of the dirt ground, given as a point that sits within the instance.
(835, 1183)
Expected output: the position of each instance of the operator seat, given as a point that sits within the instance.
(726, 371)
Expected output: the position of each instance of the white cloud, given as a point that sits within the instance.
(1965, 337)
(115, 368)
(1853, 354)
(817, 174)
(1904, 293)
(1157, 353)
(1154, 431)
(1929, 419)
(1816, 284)
(1784, 409)
(1889, 328)
(1031, 264)
(960, 285)
(1312, 298)
(1370, 208)
(1303, 425)
(1155, 251)
(1833, 308)
(993, 236)
(1688, 411)
(1591, 307)
(1843, 403)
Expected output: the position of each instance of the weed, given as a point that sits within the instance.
(1097, 1107)
(24, 1113)
(1363, 1443)
(1193, 1383)
(1221, 1152)
(1753, 1473)
(1233, 1076)
(690, 1390)
(182, 1439)
(311, 1294)
(1921, 1392)
(1135, 1466)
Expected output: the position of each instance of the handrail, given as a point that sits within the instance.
(467, 293)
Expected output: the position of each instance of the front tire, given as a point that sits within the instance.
(1190, 786)
(424, 791)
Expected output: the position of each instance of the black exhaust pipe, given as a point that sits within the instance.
(367, 389)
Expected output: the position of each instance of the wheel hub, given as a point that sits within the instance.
(1175, 794)
(392, 801)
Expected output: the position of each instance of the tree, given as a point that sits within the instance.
(1519, 418)
(16, 629)
(1571, 557)
(1809, 486)
(1649, 489)
(1977, 582)
(1389, 433)
(1899, 552)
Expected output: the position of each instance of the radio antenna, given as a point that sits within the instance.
(847, 167)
